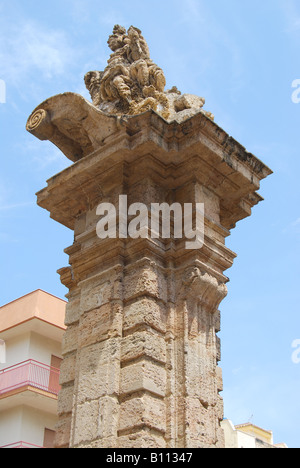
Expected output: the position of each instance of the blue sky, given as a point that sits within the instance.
(242, 57)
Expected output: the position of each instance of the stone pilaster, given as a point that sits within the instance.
(141, 349)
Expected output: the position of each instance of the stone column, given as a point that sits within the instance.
(141, 349)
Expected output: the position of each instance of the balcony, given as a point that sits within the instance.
(29, 375)
(21, 444)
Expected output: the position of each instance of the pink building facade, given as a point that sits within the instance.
(31, 331)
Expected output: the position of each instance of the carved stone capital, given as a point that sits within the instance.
(203, 288)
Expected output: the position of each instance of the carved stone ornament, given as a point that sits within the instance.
(132, 83)
(200, 284)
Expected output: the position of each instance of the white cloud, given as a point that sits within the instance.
(7, 239)
(29, 49)
(296, 223)
(14, 206)
(80, 10)
(8, 199)
(41, 155)
(217, 41)
(291, 14)
(293, 227)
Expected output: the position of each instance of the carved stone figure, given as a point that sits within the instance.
(132, 83)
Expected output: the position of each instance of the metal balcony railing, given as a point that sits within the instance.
(21, 444)
(30, 373)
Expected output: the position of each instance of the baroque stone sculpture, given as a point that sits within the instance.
(141, 349)
(132, 83)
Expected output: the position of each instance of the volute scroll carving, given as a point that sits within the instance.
(40, 122)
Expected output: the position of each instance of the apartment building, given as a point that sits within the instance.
(31, 331)
(248, 436)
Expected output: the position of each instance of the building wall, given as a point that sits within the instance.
(230, 434)
(32, 328)
(17, 350)
(2, 352)
(30, 346)
(34, 423)
(245, 440)
(10, 426)
(25, 424)
(36, 304)
(41, 348)
(237, 437)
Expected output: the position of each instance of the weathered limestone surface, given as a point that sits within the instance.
(141, 349)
